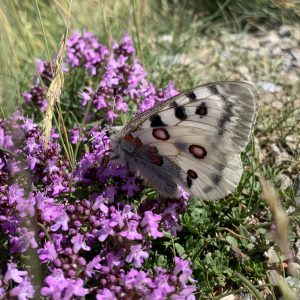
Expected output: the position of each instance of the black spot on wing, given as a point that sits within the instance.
(180, 113)
(227, 111)
(216, 179)
(201, 110)
(192, 174)
(207, 189)
(156, 121)
(189, 181)
(221, 167)
(213, 89)
(191, 95)
(226, 116)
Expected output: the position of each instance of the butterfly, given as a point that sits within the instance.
(193, 140)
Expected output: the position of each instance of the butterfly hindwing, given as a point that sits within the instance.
(194, 139)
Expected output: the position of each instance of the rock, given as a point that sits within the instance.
(283, 181)
(272, 255)
(229, 297)
(284, 30)
(294, 269)
(269, 86)
(277, 104)
(295, 53)
(292, 282)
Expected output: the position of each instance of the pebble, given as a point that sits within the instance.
(269, 86)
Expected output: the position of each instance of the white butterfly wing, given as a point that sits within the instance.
(195, 139)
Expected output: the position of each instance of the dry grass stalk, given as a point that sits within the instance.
(281, 233)
(54, 90)
(280, 217)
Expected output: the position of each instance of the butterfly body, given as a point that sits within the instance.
(193, 140)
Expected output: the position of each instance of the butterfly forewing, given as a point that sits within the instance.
(193, 139)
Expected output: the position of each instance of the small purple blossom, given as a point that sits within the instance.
(106, 294)
(137, 256)
(150, 224)
(14, 274)
(131, 232)
(130, 186)
(79, 243)
(48, 253)
(23, 290)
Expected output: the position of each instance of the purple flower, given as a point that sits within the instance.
(106, 294)
(121, 105)
(23, 291)
(14, 274)
(75, 135)
(186, 293)
(182, 266)
(117, 219)
(85, 50)
(15, 194)
(127, 44)
(44, 69)
(58, 287)
(105, 231)
(147, 103)
(29, 125)
(99, 204)
(22, 243)
(26, 206)
(171, 217)
(76, 288)
(57, 186)
(150, 224)
(31, 145)
(137, 280)
(99, 102)
(48, 253)
(79, 243)
(2, 293)
(183, 194)
(92, 266)
(86, 95)
(111, 115)
(130, 186)
(115, 259)
(137, 255)
(60, 220)
(110, 193)
(36, 96)
(131, 231)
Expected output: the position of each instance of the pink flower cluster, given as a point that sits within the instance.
(91, 234)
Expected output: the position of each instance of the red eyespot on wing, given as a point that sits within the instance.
(197, 151)
(128, 138)
(138, 142)
(160, 134)
(156, 159)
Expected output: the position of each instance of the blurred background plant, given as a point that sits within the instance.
(31, 29)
